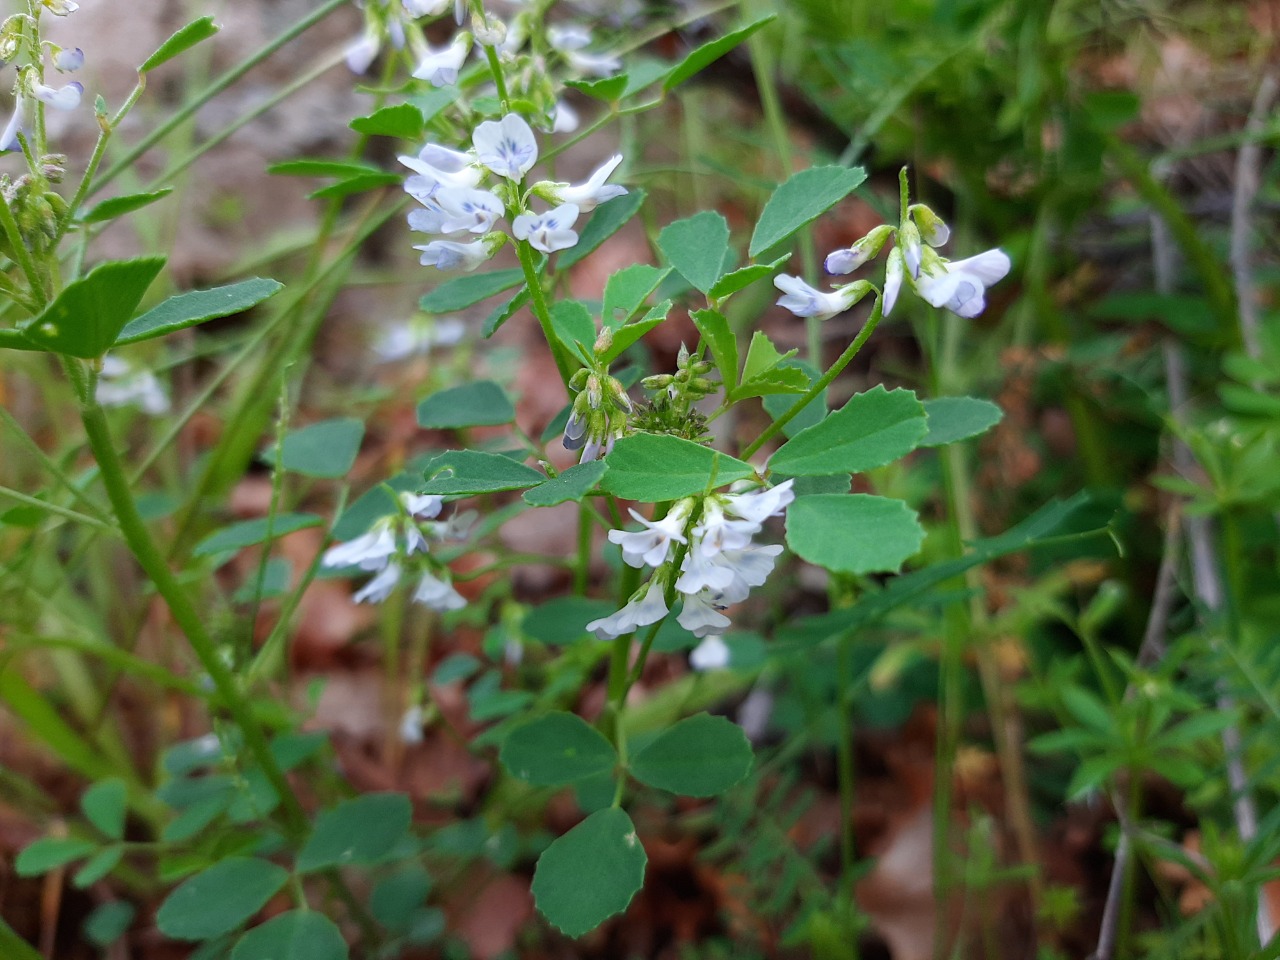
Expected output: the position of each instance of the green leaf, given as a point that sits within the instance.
(472, 472)
(777, 404)
(293, 935)
(481, 403)
(325, 449)
(557, 749)
(502, 313)
(360, 831)
(590, 873)
(197, 31)
(608, 89)
(958, 418)
(119, 206)
(709, 53)
(802, 199)
(780, 380)
(572, 323)
(246, 533)
(627, 290)
(467, 290)
(872, 429)
(650, 467)
(321, 168)
(724, 345)
(107, 924)
(606, 220)
(197, 817)
(564, 620)
(572, 484)
(402, 120)
(89, 314)
(49, 853)
(13, 947)
(358, 184)
(188, 309)
(701, 756)
(743, 277)
(696, 247)
(854, 533)
(104, 806)
(762, 356)
(395, 899)
(217, 900)
(455, 667)
(626, 336)
(98, 866)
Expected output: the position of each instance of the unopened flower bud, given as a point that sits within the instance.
(594, 393)
(840, 262)
(603, 342)
(579, 380)
(53, 167)
(619, 395)
(657, 382)
(489, 32)
(909, 241)
(933, 230)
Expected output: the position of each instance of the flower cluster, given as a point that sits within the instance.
(718, 565)
(30, 87)
(397, 546)
(599, 413)
(449, 185)
(394, 22)
(958, 285)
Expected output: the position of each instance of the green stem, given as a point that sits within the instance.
(538, 301)
(495, 68)
(21, 253)
(822, 383)
(64, 512)
(582, 572)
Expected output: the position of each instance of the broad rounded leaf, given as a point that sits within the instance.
(89, 313)
(325, 449)
(857, 533)
(359, 831)
(872, 429)
(108, 923)
(573, 484)
(652, 467)
(626, 291)
(219, 899)
(958, 418)
(556, 749)
(295, 935)
(479, 404)
(701, 756)
(401, 120)
(395, 899)
(104, 805)
(803, 198)
(590, 873)
(464, 472)
(696, 247)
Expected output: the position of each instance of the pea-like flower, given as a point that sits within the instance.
(60, 8)
(466, 209)
(451, 255)
(440, 67)
(710, 654)
(651, 545)
(960, 285)
(122, 384)
(642, 610)
(550, 231)
(703, 614)
(380, 587)
(506, 146)
(60, 98)
(68, 61)
(438, 594)
(585, 196)
(805, 301)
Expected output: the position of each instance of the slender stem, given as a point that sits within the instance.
(822, 383)
(499, 78)
(48, 463)
(538, 301)
(64, 512)
(582, 573)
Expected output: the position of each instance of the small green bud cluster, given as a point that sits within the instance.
(688, 384)
(600, 407)
(37, 210)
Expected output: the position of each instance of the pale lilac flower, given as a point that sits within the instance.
(585, 196)
(804, 301)
(593, 64)
(121, 384)
(380, 587)
(60, 98)
(415, 337)
(595, 447)
(851, 258)
(639, 612)
(361, 53)
(651, 545)
(550, 231)
(440, 67)
(68, 61)
(459, 11)
(710, 654)
(60, 8)
(411, 725)
(422, 506)
(438, 594)
(466, 209)
(450, 255)
(700, 571)
(702, 614)
(17, 123)
(564, 119)
(893, 274)
(961, 284)
(909, 243)
(369, 551)
(575, 432)
(427, 219)
(716, 532)
(506, 146)
(568, 37)
(438, 168)
(759, 505)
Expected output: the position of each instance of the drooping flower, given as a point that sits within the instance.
(702, 614)
(61, 8)
(418, 336)
(585, 196)
(438, 594)
(893, 273)
(16, 125)
(369, 551)
(564, 119)
(710, 654)
(68, 61)
(804, 301)
(440, 67)
(550, 231)
(411, 725)
(759, 505)
(361, 52)
(122, 384)
(506, 146)
(960, 285)
(849, 259)
(567, 37)
(651, 545)
(467, 210)
(439, 168)
(60, 98)
(451, 255)
(748, 567)
(642, 610)
(380, 587)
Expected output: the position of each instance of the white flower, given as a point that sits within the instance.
(465, 209)
(747, 567)
(851, 258)
(424, 8)
(586, 196)
(961, 284)
(422, 506)
(548, 231)
(564, 119)
(417, 336)
(759, 505)
(438, 594)
(411, 725)
(640, 612)
(893, 274)
(650, 546)
(121, 384)
(60, 8)
(369, 551)
(804, 301)
(428, 219)
(60, 98)
(380, 587)
(702, 614)
(439, 168)
(440, 67)
(68, 61)
(506, 146)
(450, 255)
(710, 654)
(17, 123)
(361, 53)
(909, 243)
(593, 64)
(700, 571)
(568, 37)
(716, 532)
(459, 11)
